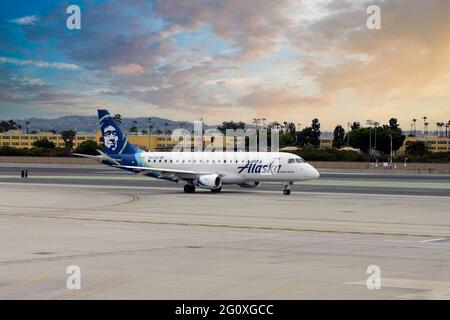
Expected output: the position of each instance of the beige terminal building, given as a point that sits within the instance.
(19, 139)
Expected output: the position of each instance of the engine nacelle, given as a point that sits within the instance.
(210, 181)
(249, 185)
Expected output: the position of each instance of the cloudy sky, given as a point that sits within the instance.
(227, 60)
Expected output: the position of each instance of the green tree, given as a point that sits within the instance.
(338, 137)
(8, 125)
(393, 125)
(417, 148)
(44, 143)
(118, 118)
(10, 151)
(88, 147)
(359, 138)
(310, 136)
(134, 127)
(68, 136)
(35, 152)
(289, 127)
(355, 125)
(315, 138)
(231, 125)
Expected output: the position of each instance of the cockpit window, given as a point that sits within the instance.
(300, 160)
(291, 161)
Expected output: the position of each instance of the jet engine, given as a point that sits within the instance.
(248, 185)
(210, 181)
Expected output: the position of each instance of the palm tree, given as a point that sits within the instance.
(27, 124)
(182, 124)
(424, 124)
(447, 125)
(256, 121)
(414, 122)
(166, 124)
(442, 128)
(118, 118)
(150, 125)
(134, 128)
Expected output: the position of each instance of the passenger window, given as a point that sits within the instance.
(224, 161)
(165, 160)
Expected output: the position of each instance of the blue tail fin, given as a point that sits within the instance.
(114, 141)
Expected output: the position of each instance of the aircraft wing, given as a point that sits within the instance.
(100, 157)
(164, 171)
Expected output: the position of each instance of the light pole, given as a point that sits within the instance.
(375, 124)
(349, 125)
(149, 131)
(390, 155)
(369, 123)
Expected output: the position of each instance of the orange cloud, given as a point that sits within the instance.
(131, 68)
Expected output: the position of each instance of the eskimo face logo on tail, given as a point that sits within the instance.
(110, 138)
(272, 168)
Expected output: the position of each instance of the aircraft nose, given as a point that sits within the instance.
(313, 172)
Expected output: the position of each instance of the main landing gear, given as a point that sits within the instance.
(216, 190)
(287, 190)
(189, 188)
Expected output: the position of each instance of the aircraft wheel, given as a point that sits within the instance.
(189, 188)
(216, 190)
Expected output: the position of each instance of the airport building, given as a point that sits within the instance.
(435, 143)
(21, 140)
(326, 143)
(165, 142)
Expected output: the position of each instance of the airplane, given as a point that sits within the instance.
(206, 170)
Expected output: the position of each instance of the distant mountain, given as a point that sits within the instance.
(90, 124)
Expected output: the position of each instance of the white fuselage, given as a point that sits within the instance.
(234, 167)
